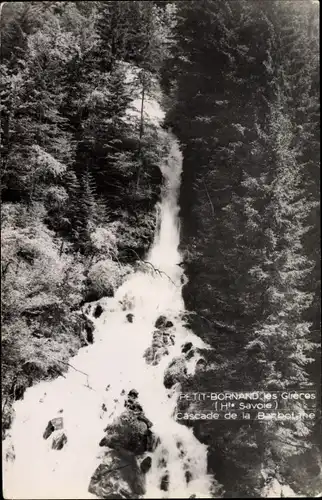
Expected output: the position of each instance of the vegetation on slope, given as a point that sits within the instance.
(80, 173)
(243, 82)
(80, 180)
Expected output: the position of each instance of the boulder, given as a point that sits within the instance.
(180, 448)
(10, 454)
(146, 464)
(33, 369)
(162, 462)
(143, 418)
(89, 329)
(131, 402)
(127, 303)
(164, 484)
(190, 354)
(153, 356)
(130, 317)
(98, 311)
(133, 406)
(53, 425)
(158, 349)
(59, 441)
(176, 372)
(186, 347)
(86, 329)
(188, 476)
(118, 476)
(128, 432)
(92, 294)
(133, 393)
(163, 322)
(201, 363)
(19, 391)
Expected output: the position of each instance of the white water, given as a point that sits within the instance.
(115, 359)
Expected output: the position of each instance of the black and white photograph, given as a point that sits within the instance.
(160, 249)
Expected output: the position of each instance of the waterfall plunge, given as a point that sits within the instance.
(116, 360)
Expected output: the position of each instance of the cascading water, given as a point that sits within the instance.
(109, 369)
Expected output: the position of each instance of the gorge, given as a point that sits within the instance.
(159, 235)
(92, 395)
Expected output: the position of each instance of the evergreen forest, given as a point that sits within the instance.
(238, 81)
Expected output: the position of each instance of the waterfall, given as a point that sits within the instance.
(91, 398)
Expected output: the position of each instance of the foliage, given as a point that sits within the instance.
(70, 160)
(248, 209)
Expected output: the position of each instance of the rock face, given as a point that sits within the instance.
(118, 476)
(176, 372)
(59, 441)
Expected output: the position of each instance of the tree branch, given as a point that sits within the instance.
(209, 199)
(154, 268)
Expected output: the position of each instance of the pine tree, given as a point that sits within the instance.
(247, 206)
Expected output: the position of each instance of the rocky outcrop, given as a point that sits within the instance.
(132, 404)
(175, 373)
(129, 432)
(161, 340)
(118, 476)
